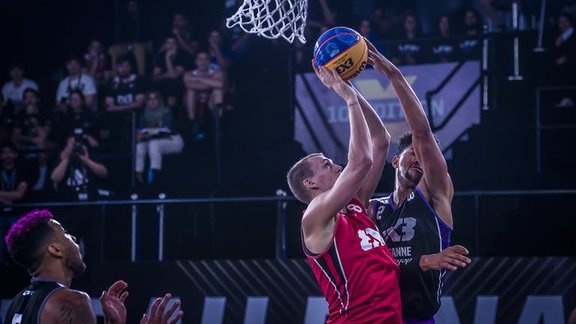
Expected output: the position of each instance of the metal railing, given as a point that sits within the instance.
(281, 199)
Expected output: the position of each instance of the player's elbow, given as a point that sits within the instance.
(365, 163)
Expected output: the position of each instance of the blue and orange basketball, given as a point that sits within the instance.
(343, 49)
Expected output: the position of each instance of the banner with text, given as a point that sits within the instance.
(321, 116)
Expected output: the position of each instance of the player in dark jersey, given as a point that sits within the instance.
(51, 256)
(416, 219)
(353, 267)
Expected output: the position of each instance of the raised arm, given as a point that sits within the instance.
(436, 184)
(319, 219)
(380, 143)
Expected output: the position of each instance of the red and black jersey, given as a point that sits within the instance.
(357, 274)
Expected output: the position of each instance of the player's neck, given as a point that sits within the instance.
(400, 194)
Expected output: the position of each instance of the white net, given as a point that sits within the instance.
(272, 18)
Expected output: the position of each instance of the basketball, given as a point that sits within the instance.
(343, 49)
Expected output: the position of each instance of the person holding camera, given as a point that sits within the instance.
(156, 135)
(76, 173)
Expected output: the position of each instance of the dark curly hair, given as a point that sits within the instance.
(27, 239)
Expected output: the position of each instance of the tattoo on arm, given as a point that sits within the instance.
(76, 309)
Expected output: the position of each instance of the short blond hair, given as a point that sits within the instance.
(296, 176)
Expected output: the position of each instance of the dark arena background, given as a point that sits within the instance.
(216, 225)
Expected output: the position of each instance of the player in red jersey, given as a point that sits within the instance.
(351, 262)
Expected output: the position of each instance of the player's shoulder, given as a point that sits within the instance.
(67, 295)
(68, 305)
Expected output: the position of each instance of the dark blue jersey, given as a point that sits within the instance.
(411, 230)
(27, 305)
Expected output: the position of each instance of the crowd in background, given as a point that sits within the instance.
(144, 97)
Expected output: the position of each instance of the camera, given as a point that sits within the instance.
(78, 141)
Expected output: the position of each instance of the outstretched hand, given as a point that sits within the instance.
(376, 59)
(451, 258)
(112, 301)
(332, 80)
(158, 315)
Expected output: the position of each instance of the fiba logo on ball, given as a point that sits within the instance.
(343, 49)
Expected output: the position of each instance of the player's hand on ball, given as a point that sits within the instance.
(332, 80)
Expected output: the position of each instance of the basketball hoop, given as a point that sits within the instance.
(272, 18)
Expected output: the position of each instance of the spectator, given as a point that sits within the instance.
(126, 89)
(132, 37)
(156, 136)
(76, 80)
(220, 53)
(76, 174)
(13, 91)
(15, 181)
(16, 178)
(443, 46)
(204, 89)
(408, 50)
(78, 118)
(169, 67)
(124, 97)
(473, 28)
(31, 132)
(181, 30)
(365, 29)
(472, 23)
(97, 63)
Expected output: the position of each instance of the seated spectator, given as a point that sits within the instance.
(220, 52)
(183, 33)
(169, 67)
(97, 63)
(15, 182)
(124, 97)
(408, 49)
(132, 38)
(13, 90)
(204, 89)
(31, 133)
(76, 175)
(16, 177)
(365, 29)
(126, 90)
(156, 136)
(443, 46)
(76, 80)
(472, 23)
(77, 118)
(473, 27)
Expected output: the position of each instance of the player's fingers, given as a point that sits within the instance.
(456, 259)
(117, 287)
(370, 45)
(176, 318)
(172, 308)
(460, 249)
(314, 67)
(154, 308)
(448, 265)
(163, 304)
(124, 296)
(144, 319)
